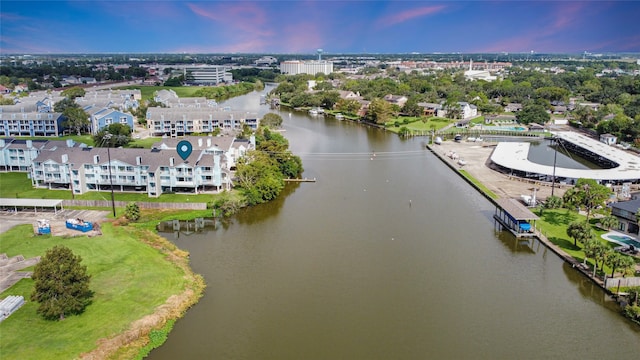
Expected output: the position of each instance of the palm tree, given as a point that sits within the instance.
(609, 222)
(613, 261)
(596, 250)
(579, 230)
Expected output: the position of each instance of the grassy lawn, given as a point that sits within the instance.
(419, 125)
(147, 91)
(554, 223)
(129, 278)
(481, 186)
(17, 185)
(87, 139)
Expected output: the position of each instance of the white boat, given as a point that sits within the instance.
(339, 116)
(471, 139)
(479, 139)
(313, 112)
(438, 140)
(461, 162)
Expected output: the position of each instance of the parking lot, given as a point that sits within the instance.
(9, 219)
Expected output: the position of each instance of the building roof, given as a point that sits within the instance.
(31, 202)
(514, 208)
(514, 156)
(630, 205)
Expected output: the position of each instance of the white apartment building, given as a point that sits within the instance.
(154, 171)
(312, 67)
(185, 121)
(207, 74)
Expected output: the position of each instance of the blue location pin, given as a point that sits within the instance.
(184, 149)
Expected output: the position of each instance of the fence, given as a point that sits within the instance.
(142, 205)
(624, 282)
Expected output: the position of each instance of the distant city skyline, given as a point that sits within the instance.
(300, 27)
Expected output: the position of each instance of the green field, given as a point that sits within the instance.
(147, 92)
(417, 125)
(129, 278)
(18, 185)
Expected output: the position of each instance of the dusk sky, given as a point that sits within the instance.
(300, 27)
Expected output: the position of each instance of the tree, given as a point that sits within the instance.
(73, 92)
(259, 178)
(553, 202)
(76, 119)
(271, 120)
(533, 113)
(120, 136)
(64, 104)
(132, 212)
(618, 261)
(379, 111)
(609, 222)
(596, 250)
(586, 194)
(579, 231)
(61, 284)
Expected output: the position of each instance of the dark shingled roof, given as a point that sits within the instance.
(516, 209)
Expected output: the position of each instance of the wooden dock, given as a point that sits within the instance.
(300, 180)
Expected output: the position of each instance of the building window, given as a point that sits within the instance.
(108, 121)
(123, 120)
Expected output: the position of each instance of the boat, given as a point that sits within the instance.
(462, 162)
(471, 139)
(438, 140)
(458, 137)
(339, 116)
(313, 112)
(479, 139)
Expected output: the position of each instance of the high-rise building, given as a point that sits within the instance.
(294, 67)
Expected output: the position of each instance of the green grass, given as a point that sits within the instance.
(129, 278)
(18, 185)
(145, 143)
(553, 224)
(478, 184)
(419, 125)
(87, 139)
(147, 92)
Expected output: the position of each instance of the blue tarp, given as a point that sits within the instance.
(524, 226)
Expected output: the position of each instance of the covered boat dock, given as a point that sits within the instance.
(515, 217)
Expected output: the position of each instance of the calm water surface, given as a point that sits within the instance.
(386, 256)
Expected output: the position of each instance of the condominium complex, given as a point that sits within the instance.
(294, 67)
(155, 171)
(180, 121)
(30, 124)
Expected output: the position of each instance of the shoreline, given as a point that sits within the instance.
(505, 186)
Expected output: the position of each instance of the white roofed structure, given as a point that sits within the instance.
(513, 156)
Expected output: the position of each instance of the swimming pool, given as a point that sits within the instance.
(624, 240)
(505, 128)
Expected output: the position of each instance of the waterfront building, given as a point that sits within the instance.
(618, 166)
(153, 171)
(180, 121)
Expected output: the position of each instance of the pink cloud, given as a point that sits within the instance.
(242, 16)
(407, 15)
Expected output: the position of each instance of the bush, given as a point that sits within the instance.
(132, 212)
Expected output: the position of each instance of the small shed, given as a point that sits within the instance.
(608, 139)
(515, 217)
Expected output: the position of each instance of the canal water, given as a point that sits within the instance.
(389, 255)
